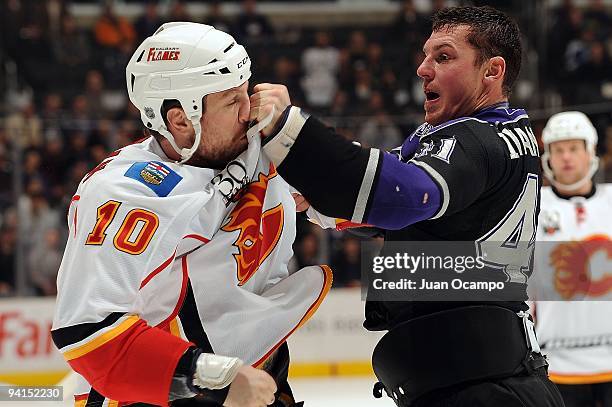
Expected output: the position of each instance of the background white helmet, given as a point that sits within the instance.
(183, 61)
(569, 126)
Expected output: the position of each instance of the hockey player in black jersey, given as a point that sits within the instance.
(470, 173)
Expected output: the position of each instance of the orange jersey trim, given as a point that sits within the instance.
(80, 400)
(102, 339)
(343, 224)
(581, 378)
(327, 283)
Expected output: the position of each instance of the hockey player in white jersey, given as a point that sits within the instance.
(179, 244)
(574, 246)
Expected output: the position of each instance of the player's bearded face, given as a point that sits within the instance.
(224, 125)
(569, 160)
(452, 82)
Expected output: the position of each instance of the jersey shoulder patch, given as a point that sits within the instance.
(160, 178)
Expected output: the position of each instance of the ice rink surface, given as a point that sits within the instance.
(338, 392)
(315, 392)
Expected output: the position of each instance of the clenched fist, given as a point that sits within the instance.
(251, 388)
(268, 97)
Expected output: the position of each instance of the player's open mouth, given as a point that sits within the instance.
(431, 96)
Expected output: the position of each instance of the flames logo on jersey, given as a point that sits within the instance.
(571, 264)
(259, 232)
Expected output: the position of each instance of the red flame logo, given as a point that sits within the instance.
(259, 232)
(571, 264)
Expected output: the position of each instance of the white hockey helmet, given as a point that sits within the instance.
(183, 61)
(569, 126)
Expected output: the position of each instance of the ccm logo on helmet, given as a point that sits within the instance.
(163, 54)
(243, 62)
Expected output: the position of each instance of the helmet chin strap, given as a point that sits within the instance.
(548, 172)
(185, 153)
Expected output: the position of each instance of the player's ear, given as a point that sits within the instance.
(496, 68)
(177, 121)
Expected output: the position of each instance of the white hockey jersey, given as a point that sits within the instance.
(161, 254)
(573, 286)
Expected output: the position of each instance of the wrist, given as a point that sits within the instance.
(276, 146)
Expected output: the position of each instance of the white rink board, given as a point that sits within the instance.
(25, 338)
(335, 333)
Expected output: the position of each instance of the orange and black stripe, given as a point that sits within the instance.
(63, 337)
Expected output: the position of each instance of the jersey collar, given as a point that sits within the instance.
(568, 197)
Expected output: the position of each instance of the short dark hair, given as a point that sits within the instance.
(492, 33)
(166, 106)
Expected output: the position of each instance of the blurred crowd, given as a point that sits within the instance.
(65, 108)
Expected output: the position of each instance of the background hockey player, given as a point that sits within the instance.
(573, 250)
(174, 263)
(471, 172)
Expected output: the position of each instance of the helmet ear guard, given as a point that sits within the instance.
(570, 125)
(183, 61)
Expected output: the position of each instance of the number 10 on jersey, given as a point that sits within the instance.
(134, 234)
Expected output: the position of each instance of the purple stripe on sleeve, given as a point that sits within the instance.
(404, 194)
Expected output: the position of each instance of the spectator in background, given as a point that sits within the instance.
(216, 18)
(396, 94)
(352, 59)
(6, 174)
(357, 49)
(378, 130)
(55, 163)
(149, 22)
(52, 115)
(12, 15)
(306, 251)
(178, 12)
(128, 133)
(114, 68)
(35, 215)
(597, 19)
(252, 26)
(31, 167)
(24, 126)
(72, 50)
(346, 262)
(320, 64)
(409, 27)
(436, 6)
(104, 134)
(375, 61)
(34, 52)
(362, 88)
(591, 75)
(56, 10)
(606, 159)
(44, 261)
(340, 106)
(112, 30)
(566, 26)
(8, 242)
(78, 120)
(77, 147)
(95, 93)
(286, 72)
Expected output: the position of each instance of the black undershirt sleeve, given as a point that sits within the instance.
(326, 168)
